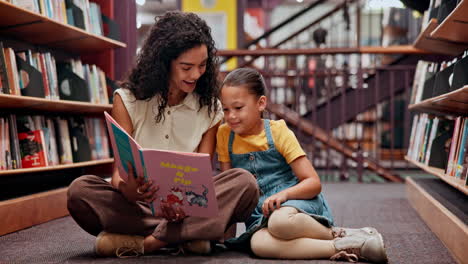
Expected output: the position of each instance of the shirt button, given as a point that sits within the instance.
(167, 136)
(251, 158)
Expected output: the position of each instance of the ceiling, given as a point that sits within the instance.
(152, 8)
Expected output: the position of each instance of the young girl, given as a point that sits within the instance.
(292, 219)
(169, 101)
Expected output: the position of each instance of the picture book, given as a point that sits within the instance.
(185, 179)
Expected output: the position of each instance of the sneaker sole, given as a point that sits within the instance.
(98, 238)
(383, 252)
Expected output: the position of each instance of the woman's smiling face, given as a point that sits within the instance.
(187, 69)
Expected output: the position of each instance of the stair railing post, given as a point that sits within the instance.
(376, 131)
(344, 162)
(359, 87)
(392, 118)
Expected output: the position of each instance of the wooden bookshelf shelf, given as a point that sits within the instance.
(455, 102)
(38, 29)
(427, 42)
(34, 103)
(450, 229)
(32, 210)
(58, 167)
(455, 26)
(457, 183)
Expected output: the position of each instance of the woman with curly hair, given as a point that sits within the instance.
(169, 101)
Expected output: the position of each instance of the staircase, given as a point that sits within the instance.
(343, 104)
(319, 134)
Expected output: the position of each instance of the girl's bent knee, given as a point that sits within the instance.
(280, 222)
(262, 244)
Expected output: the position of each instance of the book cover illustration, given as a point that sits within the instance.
(184, 179)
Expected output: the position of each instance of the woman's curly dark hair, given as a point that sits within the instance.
(173, 33)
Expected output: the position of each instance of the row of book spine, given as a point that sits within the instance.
(439, 9)
(441, 143)
(14, 79)
(79, 13)
(95, 79)
(17, 80)
(433, 79)
(28, 141)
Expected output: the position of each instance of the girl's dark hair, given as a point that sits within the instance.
(248, 77)
(173, 33)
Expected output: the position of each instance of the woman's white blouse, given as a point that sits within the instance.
(181, 129)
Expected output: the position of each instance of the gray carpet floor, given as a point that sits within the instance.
(384, 206)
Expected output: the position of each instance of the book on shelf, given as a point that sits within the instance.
(432, 135)
(11, 71)
(79, 139)
(51, 142)
(419, 77)
(33, 149)
(458, 165)
(4, 85)
(15, 153)
(184, 179)
(440, 145)
(453, 145)
(460, 78)
(5, 153)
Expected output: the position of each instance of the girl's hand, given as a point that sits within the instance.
(273, 202)
(136, 189)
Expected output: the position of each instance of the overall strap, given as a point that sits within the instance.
(266, 123)
(231, 140)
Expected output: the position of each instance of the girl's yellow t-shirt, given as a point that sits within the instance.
(285, 142)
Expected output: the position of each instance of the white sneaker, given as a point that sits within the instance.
(122, 246)
(202, 247)
(342, 232)
(365, 243)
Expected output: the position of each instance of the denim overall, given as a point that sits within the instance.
(273, 175)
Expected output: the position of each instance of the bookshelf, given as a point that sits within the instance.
(435, 201)
(32, 27)
(32, 210)
(41, 104)
(58, 167)
(455, 26)
(455, 103)
(454, 182)
(22, 27)
(426, 41)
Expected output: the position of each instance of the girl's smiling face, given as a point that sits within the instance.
(242, 110)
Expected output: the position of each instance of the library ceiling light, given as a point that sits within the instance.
(141, 2)
(299, 1)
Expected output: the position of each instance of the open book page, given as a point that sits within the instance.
(185, 179)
